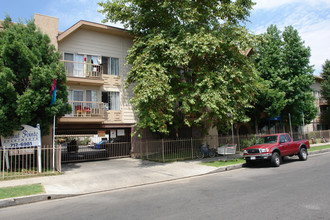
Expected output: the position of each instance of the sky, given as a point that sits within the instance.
(310, 17)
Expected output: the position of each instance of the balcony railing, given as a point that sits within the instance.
(86, 109)
(323, 101)
(83, 69)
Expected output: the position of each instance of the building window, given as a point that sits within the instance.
(111, 100)
(114, 66)
(110, 66)
(75, 65)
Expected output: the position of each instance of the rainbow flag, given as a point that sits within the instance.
(53, 92)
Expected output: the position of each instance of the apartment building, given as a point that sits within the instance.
(94, 58)
(321, 105)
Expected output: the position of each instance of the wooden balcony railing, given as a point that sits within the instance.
(83, 69)
(86, 109)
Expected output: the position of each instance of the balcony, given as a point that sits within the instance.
(82, 73)
(323, 101)
(85, 112)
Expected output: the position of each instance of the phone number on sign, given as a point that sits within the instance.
(23, 144)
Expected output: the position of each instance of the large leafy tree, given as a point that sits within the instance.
(268, 58)
(325, 117)
(188, 65)
(283, 61)
(28, 65)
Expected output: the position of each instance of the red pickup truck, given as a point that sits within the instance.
(274, 147)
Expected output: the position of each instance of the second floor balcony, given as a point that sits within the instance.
(91, 112)
(84, 111)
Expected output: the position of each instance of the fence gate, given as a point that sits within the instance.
(86, 145)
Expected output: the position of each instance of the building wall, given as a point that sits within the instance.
(317, 94)
(90, 42)
(48, 25)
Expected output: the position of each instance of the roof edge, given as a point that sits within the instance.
(92, 25)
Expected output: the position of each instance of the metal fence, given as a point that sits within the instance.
(25, 162)
(166, 150)
(185, 149)
(73, 152)
(93, 144)
(318, 135)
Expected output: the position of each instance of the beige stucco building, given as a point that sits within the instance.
(94, 58)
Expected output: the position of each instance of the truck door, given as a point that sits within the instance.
(284, 145)
(291, 146)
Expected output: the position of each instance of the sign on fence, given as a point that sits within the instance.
(27, 136)
(22, 143)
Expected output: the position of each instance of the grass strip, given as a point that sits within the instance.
(23, 190)
(319, 148)
(220, 163)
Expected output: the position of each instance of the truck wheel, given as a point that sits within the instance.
(303, 154)
(276, 160)
(249, 163)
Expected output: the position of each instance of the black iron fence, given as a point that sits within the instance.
(72, 152)
(93, 143)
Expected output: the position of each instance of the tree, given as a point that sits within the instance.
(325, 117)
(187, 61)
(283, 61)
(28, 65)
(268, 59)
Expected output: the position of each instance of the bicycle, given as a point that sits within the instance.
(205, 151)
(324, 140)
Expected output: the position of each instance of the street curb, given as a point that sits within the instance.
(319, 151)
(228, 168)
(31, 199)
(43, 197)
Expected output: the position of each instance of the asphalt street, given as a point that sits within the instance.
(295, 190)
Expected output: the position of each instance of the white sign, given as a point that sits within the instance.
(113, 134)
(28, 136)
(121, 132)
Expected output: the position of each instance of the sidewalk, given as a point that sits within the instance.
(97, 176)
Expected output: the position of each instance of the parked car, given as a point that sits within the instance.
(100, 145)
(103, 143)
(274, 147)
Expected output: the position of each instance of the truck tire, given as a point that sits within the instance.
(249, 163)
(276, 160)
(302, 154)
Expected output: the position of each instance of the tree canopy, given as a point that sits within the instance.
(188, 65)
(28, 65)
(283, 62)
(325, 117)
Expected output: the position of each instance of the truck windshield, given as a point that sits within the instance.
(267, 140)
